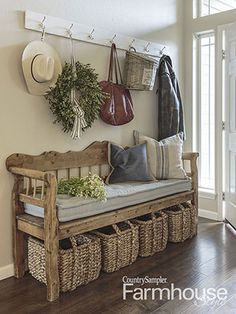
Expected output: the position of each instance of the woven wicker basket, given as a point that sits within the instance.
(79, 261)
(153, 233)
(182, 222)
(120, 245)
(140, 71)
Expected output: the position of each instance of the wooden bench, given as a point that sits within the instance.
(36, 183)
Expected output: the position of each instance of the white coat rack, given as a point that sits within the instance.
(91, 34)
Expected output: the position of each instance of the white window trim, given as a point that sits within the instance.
(197, 10)
(206, 193)
(203, 192)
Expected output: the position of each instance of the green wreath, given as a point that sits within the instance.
(90, 95)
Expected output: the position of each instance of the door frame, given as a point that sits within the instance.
(220, 118)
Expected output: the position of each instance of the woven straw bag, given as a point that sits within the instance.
(140, 71)
(153, 233)
(78, 264)
(182, 222)
(120, 245)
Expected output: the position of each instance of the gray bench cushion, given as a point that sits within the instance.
(118, 196)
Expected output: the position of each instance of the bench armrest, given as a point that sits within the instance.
(29, 173)
(48, 189)
(192, 157)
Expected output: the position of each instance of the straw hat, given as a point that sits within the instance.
(41, 67)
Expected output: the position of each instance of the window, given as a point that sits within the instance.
(209, 7)
(205, 108)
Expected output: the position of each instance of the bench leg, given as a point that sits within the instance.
(51, 239)
(18, 237)
(19, 253)
(52, 274)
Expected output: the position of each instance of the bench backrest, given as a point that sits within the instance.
(94, 156)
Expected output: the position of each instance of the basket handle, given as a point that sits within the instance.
(118, 232)
(131, 48)
(117, 229)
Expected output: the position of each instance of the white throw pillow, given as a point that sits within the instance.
(164, 157)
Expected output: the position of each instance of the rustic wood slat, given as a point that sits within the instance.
(29, 228)
(33, 220)
(95, 154)
(30, 186)
(27, 186)
(31, 200)
(35, 187)
(30, 173)
(42, 190)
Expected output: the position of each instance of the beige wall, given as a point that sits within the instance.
(192, 26)
(25, 120)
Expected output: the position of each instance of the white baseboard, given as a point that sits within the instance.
(6, 271)
(204, 213)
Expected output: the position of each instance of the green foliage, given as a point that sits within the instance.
(88, 91)
(89, 186)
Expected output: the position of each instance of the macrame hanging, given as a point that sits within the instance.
(79, 122)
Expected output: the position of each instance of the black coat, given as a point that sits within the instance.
(170, 109)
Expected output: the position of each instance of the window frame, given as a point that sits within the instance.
(197, 104)
(197, 10)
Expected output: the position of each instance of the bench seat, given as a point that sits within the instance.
(118, 196)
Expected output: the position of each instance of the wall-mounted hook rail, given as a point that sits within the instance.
(59, 27)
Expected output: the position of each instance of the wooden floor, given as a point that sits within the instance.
(208, 260)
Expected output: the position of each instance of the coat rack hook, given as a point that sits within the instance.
(131, 44)
(161, 51)
(91, 34)
(42, 25)
(69, 30)
(112, 40)
(146, 48)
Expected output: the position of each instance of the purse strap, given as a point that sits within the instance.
(114, 66)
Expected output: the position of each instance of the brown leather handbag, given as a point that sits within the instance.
(117, 108)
